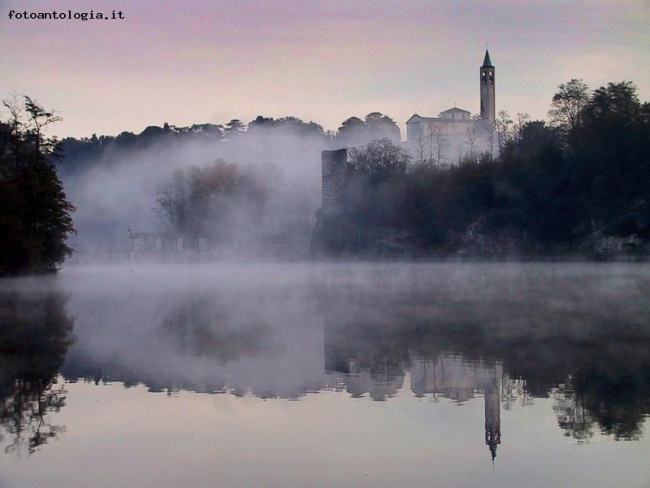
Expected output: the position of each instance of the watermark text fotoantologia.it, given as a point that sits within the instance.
(65, 15)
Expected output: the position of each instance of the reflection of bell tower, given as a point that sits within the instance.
(492, 417)
(488, 105)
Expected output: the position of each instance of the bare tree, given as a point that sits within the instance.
(521, 120)
(171, 197)
(491, 137)
(567, 105)
(420, 148)
(39, 118)
(472, 138)
(502, 126)
(438, 143)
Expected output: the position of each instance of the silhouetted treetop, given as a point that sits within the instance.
(35, 216)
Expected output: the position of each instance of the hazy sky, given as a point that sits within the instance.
(200, 61)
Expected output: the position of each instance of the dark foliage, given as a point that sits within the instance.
(82, 154)
(553, 189)
(375, 126)
(35, 334)
(217, 200)
(34, 213)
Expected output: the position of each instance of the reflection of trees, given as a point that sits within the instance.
(572, 416)
(598, 381)
(35, 333)
(611, 390)
(23, 413)
(199, 326)
(373, 357)
(209, 340)
(597, 373)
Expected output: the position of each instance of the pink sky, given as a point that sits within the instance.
(212, 61)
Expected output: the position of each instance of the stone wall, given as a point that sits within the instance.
(335, 174)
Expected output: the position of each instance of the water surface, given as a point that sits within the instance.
(348, 374)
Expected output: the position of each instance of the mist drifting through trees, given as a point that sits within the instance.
(575, 184)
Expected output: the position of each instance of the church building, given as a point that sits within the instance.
(453, 124)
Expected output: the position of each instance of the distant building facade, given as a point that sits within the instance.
(450, 122)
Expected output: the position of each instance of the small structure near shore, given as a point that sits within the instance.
(161, 243)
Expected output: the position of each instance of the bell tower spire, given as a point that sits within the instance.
(487, 81)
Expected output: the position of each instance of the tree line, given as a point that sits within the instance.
(82, 153)
(250, 186)
(572, 184)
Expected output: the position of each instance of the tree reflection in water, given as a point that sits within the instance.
(35, 333)
(578, 338)
(597, 374)
(610, 390)
(595, 368)
(202, 327)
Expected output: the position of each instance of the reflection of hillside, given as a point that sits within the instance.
(35, 333)
(204, 340)
(589, 337)
(205, 344)
(599, 381)
(361, 329)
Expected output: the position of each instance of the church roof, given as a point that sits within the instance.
(417, 118)
(455, 109)
(486, 61)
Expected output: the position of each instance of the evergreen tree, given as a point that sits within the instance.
(34, 213)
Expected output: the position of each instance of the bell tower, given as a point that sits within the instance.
(488, 106)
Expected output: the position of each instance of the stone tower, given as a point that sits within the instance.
(492, 417)
(488, 106)
(335, 174)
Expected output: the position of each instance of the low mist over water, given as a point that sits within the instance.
(548, 361)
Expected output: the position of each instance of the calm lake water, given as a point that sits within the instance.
(327, 375)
